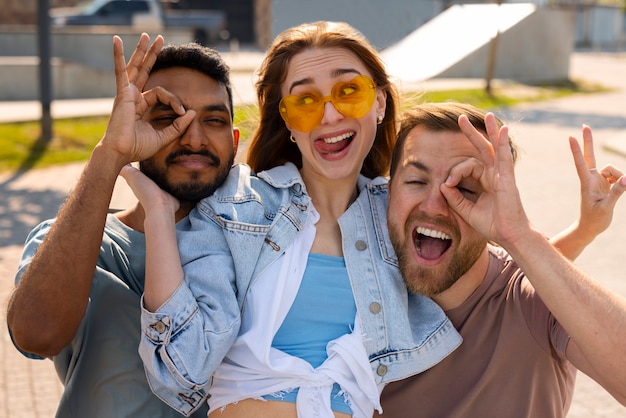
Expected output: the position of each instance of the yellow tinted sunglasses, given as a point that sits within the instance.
(353, 99)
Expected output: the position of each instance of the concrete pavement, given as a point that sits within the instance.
(546, 179)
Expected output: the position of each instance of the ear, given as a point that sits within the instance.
(236, 133)
(381, 102)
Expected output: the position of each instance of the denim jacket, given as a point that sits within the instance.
(232, 236)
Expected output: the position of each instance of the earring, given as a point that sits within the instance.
(292, 139)
(379, 119)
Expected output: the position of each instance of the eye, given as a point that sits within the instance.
(469, 193)
(163, 120)
(348, 89)
(415, 181)
(356, 88)
(306, 99)
(214, 120)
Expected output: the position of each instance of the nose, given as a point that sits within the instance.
(434, 203)
(331, 114)
(194, 138)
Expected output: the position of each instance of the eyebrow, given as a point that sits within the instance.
(336, 73)
(419, 166)
(208, 108)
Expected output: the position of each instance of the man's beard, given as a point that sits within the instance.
(431, 281)
(193, 189)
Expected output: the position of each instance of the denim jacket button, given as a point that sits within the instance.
(361, 245)
(375, 307)
(160, 327)
(381, 370)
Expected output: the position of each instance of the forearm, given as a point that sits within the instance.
(593, 316)
(164, 272)
(181, 380)
(572, 241)
(48, 305)
(184, 342)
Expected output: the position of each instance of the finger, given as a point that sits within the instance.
(137, 57)
(143, 72)
(616, 192)
(590, 158)
(611, 173)
(582, 169)
(135, 179)
(121, 77)
(163, 96)
(484, 147)
(504, 157)
(468, 168)
(493, 130)
(178, 127)
(138, 182)
(457, 202)
(130, 174)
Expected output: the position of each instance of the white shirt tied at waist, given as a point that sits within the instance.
(253, 368)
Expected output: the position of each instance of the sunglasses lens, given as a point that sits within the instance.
(303, 112)
(352, 99)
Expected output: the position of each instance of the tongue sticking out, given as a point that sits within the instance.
(431, 248)
(334, 147)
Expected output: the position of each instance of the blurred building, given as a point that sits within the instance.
(419, 39)
(384, 22)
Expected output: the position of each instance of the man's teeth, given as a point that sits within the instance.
(337, 138)
(432, 233)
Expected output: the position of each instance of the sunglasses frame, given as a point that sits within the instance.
(304, 117)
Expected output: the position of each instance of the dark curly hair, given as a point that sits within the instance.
(198, 58)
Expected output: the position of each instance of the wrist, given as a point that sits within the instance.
(108, 159)
(525, 240)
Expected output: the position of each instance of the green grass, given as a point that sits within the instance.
(73, 140)
(505, 95)
(21, 148)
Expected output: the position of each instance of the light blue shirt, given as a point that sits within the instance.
(324, 303)
(230, 238)
(325, 296)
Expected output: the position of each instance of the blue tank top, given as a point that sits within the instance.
(324, 303)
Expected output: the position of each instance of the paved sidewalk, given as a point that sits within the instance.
(546, 178)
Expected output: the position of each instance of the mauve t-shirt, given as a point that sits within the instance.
(511, 364)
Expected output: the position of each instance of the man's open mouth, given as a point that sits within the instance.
(430, 244)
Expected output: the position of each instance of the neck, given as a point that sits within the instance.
(331, 196)
(457, 294)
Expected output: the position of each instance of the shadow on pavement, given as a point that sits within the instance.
(22, 209)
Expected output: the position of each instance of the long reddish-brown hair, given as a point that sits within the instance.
(270, 145)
